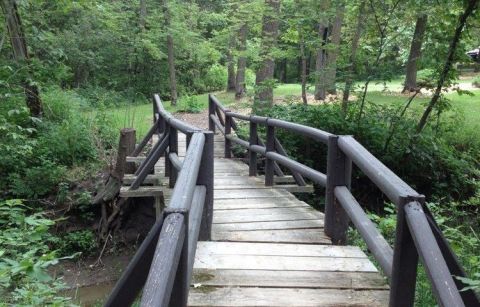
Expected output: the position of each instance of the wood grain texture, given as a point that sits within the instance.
(224, 296)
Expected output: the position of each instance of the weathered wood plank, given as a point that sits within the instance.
(289, 279)
(309, 236)
(307, 211)
(250, 193)
(205, 249)
(150, 179)
(268, 225)
(235, 205)
(142, 191)
(261, 218)
(286, 297)
(283, 263)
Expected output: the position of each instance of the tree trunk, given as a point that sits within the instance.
(264, 76)
(321, 59)
(304, 67)
(469, 9)
(353, 56)
(230, 66)
(143, 14)
(415, 53)
(333, 51)
(20, 54)
(170, 55)
(240, 88)
(114, 181)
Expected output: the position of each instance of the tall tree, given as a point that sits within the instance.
(143, 14)
(240, 88)
(230, 66)
(415, 53)
(470, 7)
(265, 72)
(353, 55)
(321, 58)
(21, 55)
(170, 54)
(334, 49)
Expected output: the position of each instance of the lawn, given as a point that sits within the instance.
(467, 107)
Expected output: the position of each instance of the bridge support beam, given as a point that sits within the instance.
(269, 163)
(205, 178)
(339, 169)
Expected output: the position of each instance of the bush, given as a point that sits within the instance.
(191, 104)
(215, 78)
(431, 166)
(35, 154)
(81, 241)
(25, 258)
(476, 81)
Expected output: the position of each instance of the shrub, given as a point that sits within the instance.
(81, 241)
(476, 81)
(431, 165)
(191, 104)
(25, 258)
(215, 78)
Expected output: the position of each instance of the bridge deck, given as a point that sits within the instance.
(269, 249)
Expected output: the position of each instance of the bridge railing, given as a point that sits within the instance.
(417, 233)
(163, 264)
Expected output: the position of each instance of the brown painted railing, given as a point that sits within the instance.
(417, 234)
(163, 264)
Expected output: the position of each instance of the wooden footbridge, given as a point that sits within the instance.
(229, 237)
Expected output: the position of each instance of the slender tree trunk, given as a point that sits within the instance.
(240, 87)
(170, 55)
(332, 53)
(321, 59)
(415, 53)
(230, 66)
(469, 9)
(264, 77)
(353, 56)
(304, 66)
(143, 14)
(20, 54)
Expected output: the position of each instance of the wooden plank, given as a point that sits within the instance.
(150, 179)
(286, 297)
(283, 263)
(275, 249)
(233, 204)
(268, 225)
(142, 191)
(227, 219)
(250, 193)
(309, 236)
(289, 279)
(274, 212)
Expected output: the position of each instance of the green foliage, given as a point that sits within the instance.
(431, 165)
(35, 154)
(83, 242)
(191, 104)
(476, 81)
(25, 258)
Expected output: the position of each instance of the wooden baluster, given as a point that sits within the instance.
(205, 178)
(252, 156)
(338, 174)
(211, 111)
(172, 148)
(269, 164)
(405, 262)
(228, 131)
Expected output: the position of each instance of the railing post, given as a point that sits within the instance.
(405, 261)
(338, 174)
(211, 111)
(269, 163)
(172, 148)
(181, 285)
(205, 178)
(252, 156)
(168, 164)
(228, 131)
